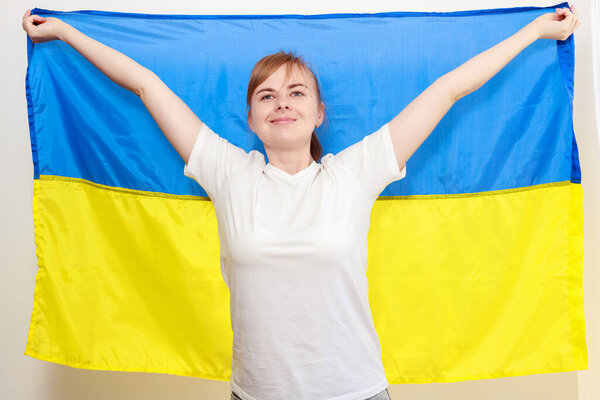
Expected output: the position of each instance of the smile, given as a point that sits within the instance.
(283, 121)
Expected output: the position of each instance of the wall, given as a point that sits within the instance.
(22, 377)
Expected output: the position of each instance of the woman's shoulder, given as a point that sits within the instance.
(326, 159)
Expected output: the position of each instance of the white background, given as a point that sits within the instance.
(23, 377)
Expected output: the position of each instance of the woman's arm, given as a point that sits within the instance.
(121, 69)
(412, 126)
(176, 120)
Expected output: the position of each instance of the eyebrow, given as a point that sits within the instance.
(289, 87)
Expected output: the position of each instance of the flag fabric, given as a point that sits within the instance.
(475, 258)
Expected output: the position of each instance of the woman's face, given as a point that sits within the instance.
(285, 113)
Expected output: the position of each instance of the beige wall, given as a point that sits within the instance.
(26, 378)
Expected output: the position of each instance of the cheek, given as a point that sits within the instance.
(262, 109)
(257, 114)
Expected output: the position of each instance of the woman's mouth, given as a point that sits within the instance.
(283, 121)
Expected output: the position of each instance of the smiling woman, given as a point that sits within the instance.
(284, 108)
(293, 238)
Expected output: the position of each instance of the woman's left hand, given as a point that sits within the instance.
(559, 25)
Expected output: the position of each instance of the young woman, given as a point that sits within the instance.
(293, 231)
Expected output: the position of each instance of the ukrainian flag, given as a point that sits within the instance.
(475, 258)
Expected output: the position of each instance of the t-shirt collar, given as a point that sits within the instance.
(274, 171)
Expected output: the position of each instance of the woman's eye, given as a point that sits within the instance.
(267, 95)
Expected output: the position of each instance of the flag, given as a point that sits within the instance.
(475, 258)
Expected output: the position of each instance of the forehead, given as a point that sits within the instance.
(277, 79)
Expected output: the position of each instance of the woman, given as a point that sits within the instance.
(293, 231)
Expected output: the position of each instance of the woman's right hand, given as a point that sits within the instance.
(47, 28)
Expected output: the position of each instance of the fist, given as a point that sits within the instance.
(40, 29)
(559, 25)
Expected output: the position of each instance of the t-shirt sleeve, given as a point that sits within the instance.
(373, 161)
(212, 160)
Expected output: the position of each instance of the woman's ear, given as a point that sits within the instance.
(320, 113)
(250, 124)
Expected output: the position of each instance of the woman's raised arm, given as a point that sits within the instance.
(176, 120)
(412, 126)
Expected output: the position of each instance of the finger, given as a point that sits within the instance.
(28, 25)
(569, 17)
(561, 13)
(32, 20)
(35, 20)
(574, 10)
(572, 7)
(27, 14)
(568, 23)
(572, 24)
(573, 21)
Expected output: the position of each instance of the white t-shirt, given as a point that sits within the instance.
(294, 257)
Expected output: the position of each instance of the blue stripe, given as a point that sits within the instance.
(566, 58)
(515, 131)
(30, 114)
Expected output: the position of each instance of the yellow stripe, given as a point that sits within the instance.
(128, 282)
(461, 287)
(479, 287)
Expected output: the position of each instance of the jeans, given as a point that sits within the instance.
(385, 395)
